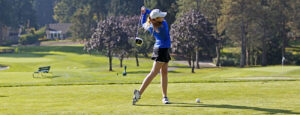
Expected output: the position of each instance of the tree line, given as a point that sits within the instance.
(23, 15)
(261, 29)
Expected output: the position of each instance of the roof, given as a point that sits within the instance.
(63, 27)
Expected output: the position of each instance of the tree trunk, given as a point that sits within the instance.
(284, 40)
(137, 59)
(193, 64)
(247, 44)
(264, 49)
(243, 45)
(1, 34)
(218, 54)
(283, 46)
(110, 58)
(243, 37)
(1, 31)
(218, 46)
(250, 56)
(189, 61)
(197, 59)
(121, 60)
(247, 57)
(283, 32)
(255, 59)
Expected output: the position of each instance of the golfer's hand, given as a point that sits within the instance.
(143, 10)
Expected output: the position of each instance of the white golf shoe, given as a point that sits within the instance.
(165, 100)
(136, 96)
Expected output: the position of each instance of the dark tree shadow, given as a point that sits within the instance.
(46, 77)
(31, 51)
(142, 72)
(3, 96)
(268, 110)
(51, 77)
(67, 49)
(184, 66)
(25, 55)
(137, 72)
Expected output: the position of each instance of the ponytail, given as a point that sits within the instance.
(155, 25)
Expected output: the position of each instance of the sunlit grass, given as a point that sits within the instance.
(216, 98)
(70, 65)
(231, 50)
(82, 84)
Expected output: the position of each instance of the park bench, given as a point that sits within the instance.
(42, 72)
(2, 51)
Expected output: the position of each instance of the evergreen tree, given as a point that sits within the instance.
(44, 11)
(16, 13)
(82, 24)
(125, 7)
(24, 13)
(169, 6)
(5, 16)
(238, 14)
(65, 9)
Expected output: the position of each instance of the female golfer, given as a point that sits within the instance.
(158, 27)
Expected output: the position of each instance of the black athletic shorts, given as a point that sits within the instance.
(161, 55)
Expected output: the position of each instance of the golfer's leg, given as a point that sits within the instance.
(155, 69)
(164, 79)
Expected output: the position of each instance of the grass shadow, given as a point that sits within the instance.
(3, 96)
(144, 72)
(25, 55)
(46, 77)
(30, 51)
(226, 106)
(185, 66)
(51, 77)
(67, 49)
(137, 72)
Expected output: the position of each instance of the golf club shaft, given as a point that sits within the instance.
(137, 31)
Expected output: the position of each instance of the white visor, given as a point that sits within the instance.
(157, 13)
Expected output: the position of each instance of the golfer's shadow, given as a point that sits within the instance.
(268, 110)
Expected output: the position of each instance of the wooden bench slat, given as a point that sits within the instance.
(42, 70)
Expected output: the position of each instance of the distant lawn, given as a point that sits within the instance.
(82, 84)
(235, 50)
(71, 65)
(54, 41)
(48, 49)
(6, 48)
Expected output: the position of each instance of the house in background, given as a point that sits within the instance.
(8, 35)
(58, 31)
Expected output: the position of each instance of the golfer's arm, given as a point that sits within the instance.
(144, 16)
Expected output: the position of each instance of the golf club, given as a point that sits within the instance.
(138, 41)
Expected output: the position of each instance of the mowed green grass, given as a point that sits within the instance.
(241, 98)
(71, 66)
(82, 84)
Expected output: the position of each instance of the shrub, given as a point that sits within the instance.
(228, 59)
(6, 50)
(33, 37)
(292, 59)
(7, 42)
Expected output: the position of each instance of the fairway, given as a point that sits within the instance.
(149, 57)
(216, 98)
(82, 84)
